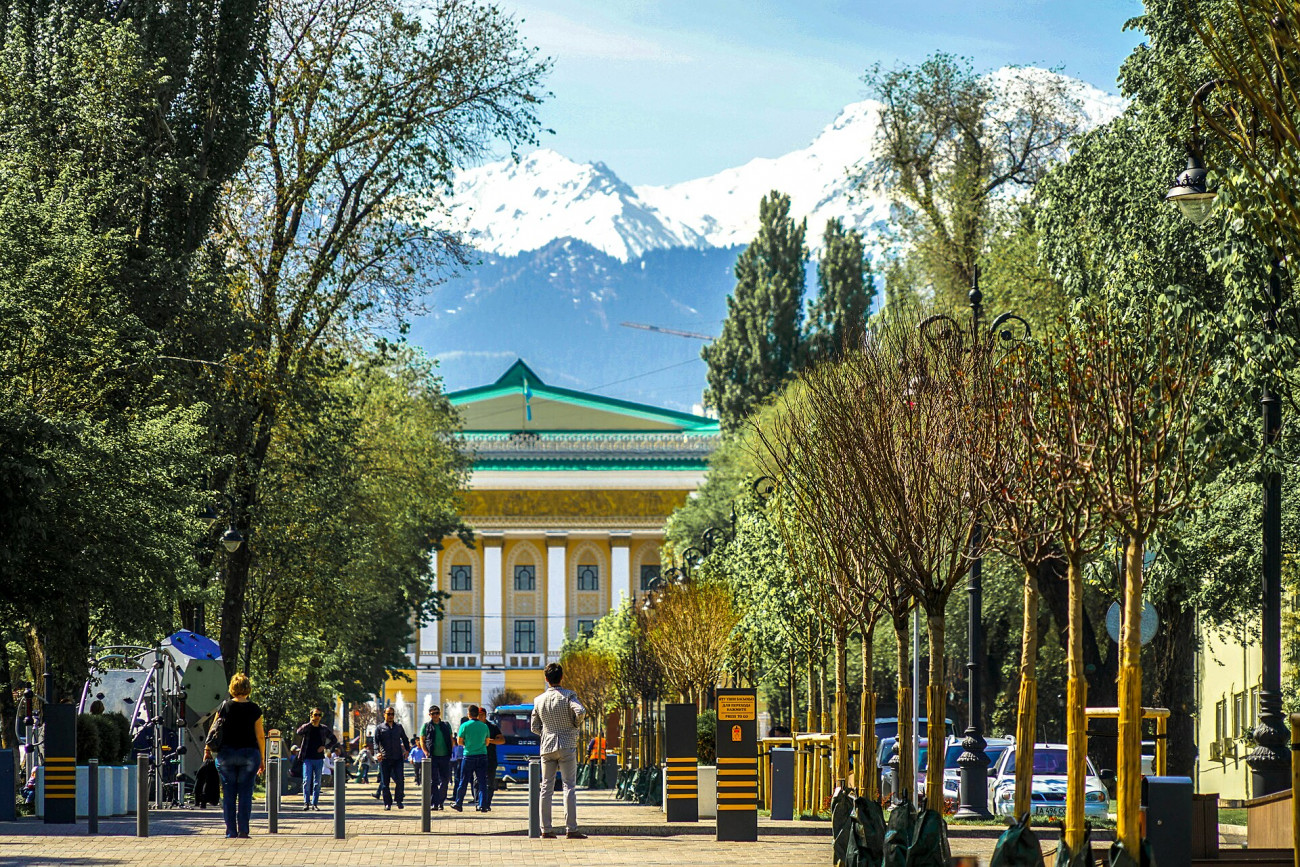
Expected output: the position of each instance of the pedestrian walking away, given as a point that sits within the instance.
(495, 739)
(392, 746)
(417, 761)
(437, 742)
(363, 765)
(314, 741)
(557, 721)
(457, 759)
(473, 736)
(239, 742)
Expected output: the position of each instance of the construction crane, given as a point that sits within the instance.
(673, 331)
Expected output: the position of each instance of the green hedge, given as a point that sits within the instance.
(106, 737)
(706, 737)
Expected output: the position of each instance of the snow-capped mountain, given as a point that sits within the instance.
(509, 208)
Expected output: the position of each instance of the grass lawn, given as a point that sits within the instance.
(1232, 817)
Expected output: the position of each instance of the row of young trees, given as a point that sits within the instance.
(888, 459)
(1085, 242)
(207, 212)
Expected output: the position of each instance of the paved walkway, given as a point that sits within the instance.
(621, 834)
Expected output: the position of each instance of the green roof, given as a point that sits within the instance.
(519, 392)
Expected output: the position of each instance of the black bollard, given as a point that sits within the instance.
(426, 795)
(340, 798)
(273, 795)
(535, 797)
(92, 797)
(142, 795)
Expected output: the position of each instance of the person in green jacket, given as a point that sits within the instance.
(437, 741)
(473, 736)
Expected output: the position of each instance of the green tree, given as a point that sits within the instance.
(760, 345)
(363, 485)
(337, 215)
(950, 144)
(117, 132)
(845, 292)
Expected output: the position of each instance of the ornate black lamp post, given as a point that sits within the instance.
(973, 762)
(1270, 761)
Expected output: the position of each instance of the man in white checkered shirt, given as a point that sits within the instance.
(557, 719)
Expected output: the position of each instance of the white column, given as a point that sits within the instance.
(428, 640)
(428, 685)
(620, 570)
(492, 584)
(557, 592)
(492, 681)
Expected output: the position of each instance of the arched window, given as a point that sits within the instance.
(588, 577)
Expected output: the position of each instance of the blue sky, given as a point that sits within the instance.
(668, 90)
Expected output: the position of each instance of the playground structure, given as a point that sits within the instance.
(167, 694)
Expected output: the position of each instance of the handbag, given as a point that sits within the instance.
(216, 734)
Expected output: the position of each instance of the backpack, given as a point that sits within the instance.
(217, 734)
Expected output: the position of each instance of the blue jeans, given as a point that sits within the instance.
(237, 768)
(311, 772)
(471, 767)
(440, 775)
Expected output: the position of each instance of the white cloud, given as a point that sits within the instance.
(458, 354)
(567, 38)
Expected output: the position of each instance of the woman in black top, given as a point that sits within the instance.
(239, 762)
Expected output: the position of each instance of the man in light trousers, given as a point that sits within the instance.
(557, 720)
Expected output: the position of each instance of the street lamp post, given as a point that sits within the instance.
(1270, 761)
(973, 761)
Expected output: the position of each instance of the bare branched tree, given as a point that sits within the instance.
(689, 634)
(1137, 372)
(822, 533)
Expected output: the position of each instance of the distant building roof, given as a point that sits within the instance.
(520, 422)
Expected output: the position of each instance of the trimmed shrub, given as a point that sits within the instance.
(706, 737)
(88, 740)
(115, 739)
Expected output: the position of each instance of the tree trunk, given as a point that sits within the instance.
(936, 710)
(823, 676)
(794, 692)
(906, 773)
(1100, 672)
(1027, 712)
(812, 692)
(1076, 702)
(238, 564)
(35, 656)
(1130, 701)
(868, 780)
(841, 704)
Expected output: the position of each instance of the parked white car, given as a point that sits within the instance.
(1047, 795)
(994, 747)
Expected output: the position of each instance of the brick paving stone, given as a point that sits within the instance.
(621, 834)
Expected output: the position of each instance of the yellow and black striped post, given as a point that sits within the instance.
(737, 744)
(681, 774)
(60, 805)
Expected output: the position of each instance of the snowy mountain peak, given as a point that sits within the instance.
(511, 207)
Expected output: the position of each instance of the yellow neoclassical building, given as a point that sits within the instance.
(568, 499)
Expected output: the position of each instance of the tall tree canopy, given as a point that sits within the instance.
(845, 290)
(760, 344)
(951, 144)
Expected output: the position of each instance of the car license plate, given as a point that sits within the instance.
(1051, 811)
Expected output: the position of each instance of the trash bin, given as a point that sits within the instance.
(782, 784)
(1168, 805)
(8, 774)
